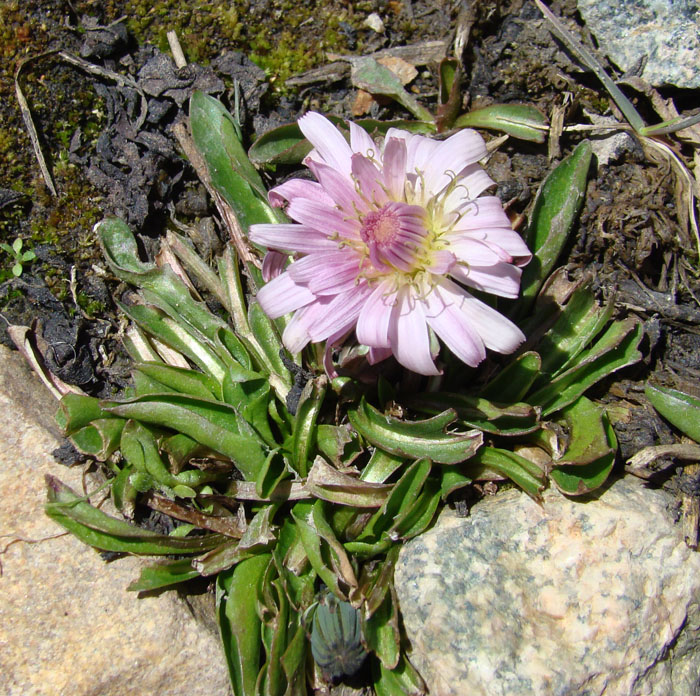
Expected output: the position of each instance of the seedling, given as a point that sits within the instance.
(20, 257)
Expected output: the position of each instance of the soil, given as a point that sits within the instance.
(110, 150)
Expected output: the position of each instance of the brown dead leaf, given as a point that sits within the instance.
(362, 103)
(405, 71)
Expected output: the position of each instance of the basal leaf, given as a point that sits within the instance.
(679, 408)
(556, 207)
(415, 439)
(519, 120)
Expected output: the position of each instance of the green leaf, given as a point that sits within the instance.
(232, 173)
(588, 440)
(581, 320)
(278, 621)
(75, 411)
(519, 120)
(519, 470)
(615, 349)
(376, 128)
(398, 513)
(325, 553)
(304, 435)
(403, 680)
(452, 480)
(338, 443)
(381, 632)
(100, 439)
(269, 340)
(282, 145)
(94, 527)
(375, 78)
(450, 94)
(120, 249)
(426, 438)
(237, 593)
(139, 448)
(480, 413)
(181, 379)
(381, 466)
(212, 424)
(513, 381)
(556, 207)
(163, 574)
(590, 456)
(680, 409)
(293, 663)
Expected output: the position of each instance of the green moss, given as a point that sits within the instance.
(282, 36)
(90, 306)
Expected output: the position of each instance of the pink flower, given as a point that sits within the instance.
(383, 242)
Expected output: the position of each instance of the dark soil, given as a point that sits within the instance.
(110, 149)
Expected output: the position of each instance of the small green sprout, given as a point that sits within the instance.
(20, 257)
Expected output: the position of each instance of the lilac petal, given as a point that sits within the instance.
(339, 187)
(273, 265)
(483, 212)
(497, 332)
(441, 262)
(361, 141)
(376, 355)
(477, 253)
(296, 333)
(501, 279)
(282, 295)
(394, 168)
(420, 152)
(368, 179)
(373, 322)
(451, 157)
(336, 339)
(327, 140)
(408, 334)
(473, 181)
(339, 314)
(325, 218)
(445, 315)
(291, 237)
(327, 272)
(511, 243)
(297, 188)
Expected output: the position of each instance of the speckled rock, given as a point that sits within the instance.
(68, 627)
(667, 31)
(568, 598)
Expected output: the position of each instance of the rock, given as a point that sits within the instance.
(666, 31)
(566, 598)
(67, 624)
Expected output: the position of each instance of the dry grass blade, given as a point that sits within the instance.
(29, 123)
(687, 184)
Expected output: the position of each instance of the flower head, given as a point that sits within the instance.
(385, 240)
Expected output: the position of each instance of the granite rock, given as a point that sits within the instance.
(68, 627)
(666, 31)
(568, 598)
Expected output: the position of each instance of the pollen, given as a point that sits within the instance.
(380, 227)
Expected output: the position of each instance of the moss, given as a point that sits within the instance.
(282, 36)
(90, 306)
